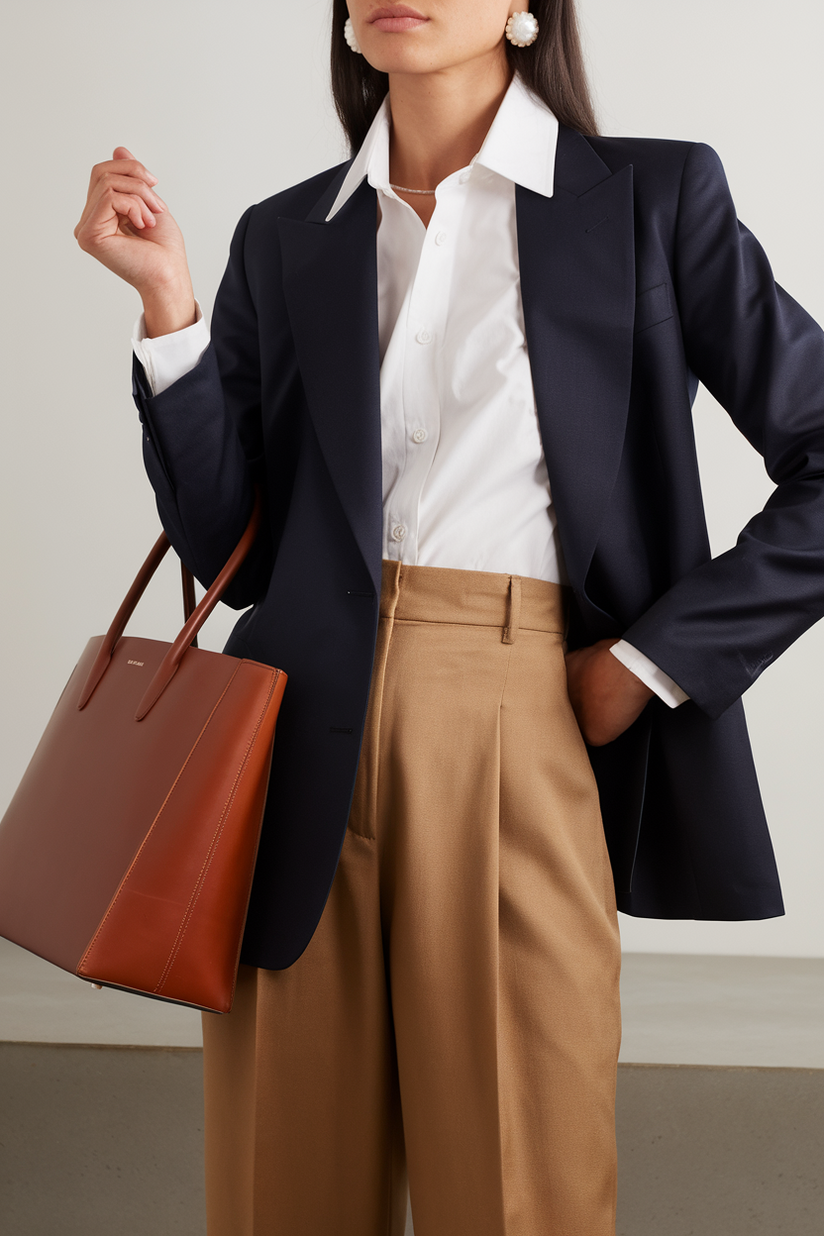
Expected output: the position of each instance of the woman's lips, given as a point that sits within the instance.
(396, 17)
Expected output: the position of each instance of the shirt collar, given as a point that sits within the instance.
(522, 141)
(520, 145)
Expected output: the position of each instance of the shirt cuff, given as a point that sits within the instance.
(649, 673)
(167, 358)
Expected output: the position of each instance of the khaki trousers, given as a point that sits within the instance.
(456, 1012)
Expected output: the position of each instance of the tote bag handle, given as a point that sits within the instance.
(195, 617)
(189, 600)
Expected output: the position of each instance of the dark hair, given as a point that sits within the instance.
(553, 68)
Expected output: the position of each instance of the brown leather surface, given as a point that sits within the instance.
(175, 923)
(99, 779)
(127, 852)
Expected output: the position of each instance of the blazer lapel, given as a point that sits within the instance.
(330, 284)
(577, 259)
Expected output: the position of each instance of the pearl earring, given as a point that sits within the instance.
(351, 37)
(522, 29)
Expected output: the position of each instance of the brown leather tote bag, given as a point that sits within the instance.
(127, 852)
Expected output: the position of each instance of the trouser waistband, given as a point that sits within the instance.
(473, 598)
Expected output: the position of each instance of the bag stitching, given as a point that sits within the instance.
(146, 839)
(184, 925)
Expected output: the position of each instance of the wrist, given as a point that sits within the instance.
(169, 309)
(630, 682)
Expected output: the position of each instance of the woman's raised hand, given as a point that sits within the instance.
(129, 228)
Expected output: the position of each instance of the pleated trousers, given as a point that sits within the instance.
(453, 1025)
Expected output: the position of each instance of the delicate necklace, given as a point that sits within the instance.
(400, 189)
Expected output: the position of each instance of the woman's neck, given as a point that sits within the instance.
(439, 120)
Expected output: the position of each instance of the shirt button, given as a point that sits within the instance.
(424, 336)
(464, 176)
(398, 532)
(420, 435)
(440, 239)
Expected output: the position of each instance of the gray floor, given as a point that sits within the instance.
(720, 1151)
(100, 1141)
(720, 1103)
(105, 1141)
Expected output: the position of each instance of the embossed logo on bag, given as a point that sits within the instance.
(135, 662)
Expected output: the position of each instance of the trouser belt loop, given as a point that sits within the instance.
(514, 616)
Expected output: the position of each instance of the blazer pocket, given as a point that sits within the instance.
(652, 307)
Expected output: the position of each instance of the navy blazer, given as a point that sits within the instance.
(638, 282)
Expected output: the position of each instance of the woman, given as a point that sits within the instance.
(460, 368)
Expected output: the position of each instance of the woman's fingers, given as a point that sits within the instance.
(129, 184)
(122, 155)
(110, 183)
(121, 209)
(101, 217)
(118, 187)
(112, 209)
(114, 172)
(133, 208)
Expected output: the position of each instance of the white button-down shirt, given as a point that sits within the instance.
(464, 477)
(465, 482)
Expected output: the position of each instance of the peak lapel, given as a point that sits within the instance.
(577, 259)
(330, 285)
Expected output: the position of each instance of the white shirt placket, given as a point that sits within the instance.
(424, 317)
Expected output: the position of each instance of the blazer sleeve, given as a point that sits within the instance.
(203, 441)
(762, 357)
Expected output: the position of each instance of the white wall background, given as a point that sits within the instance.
(228, 104)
